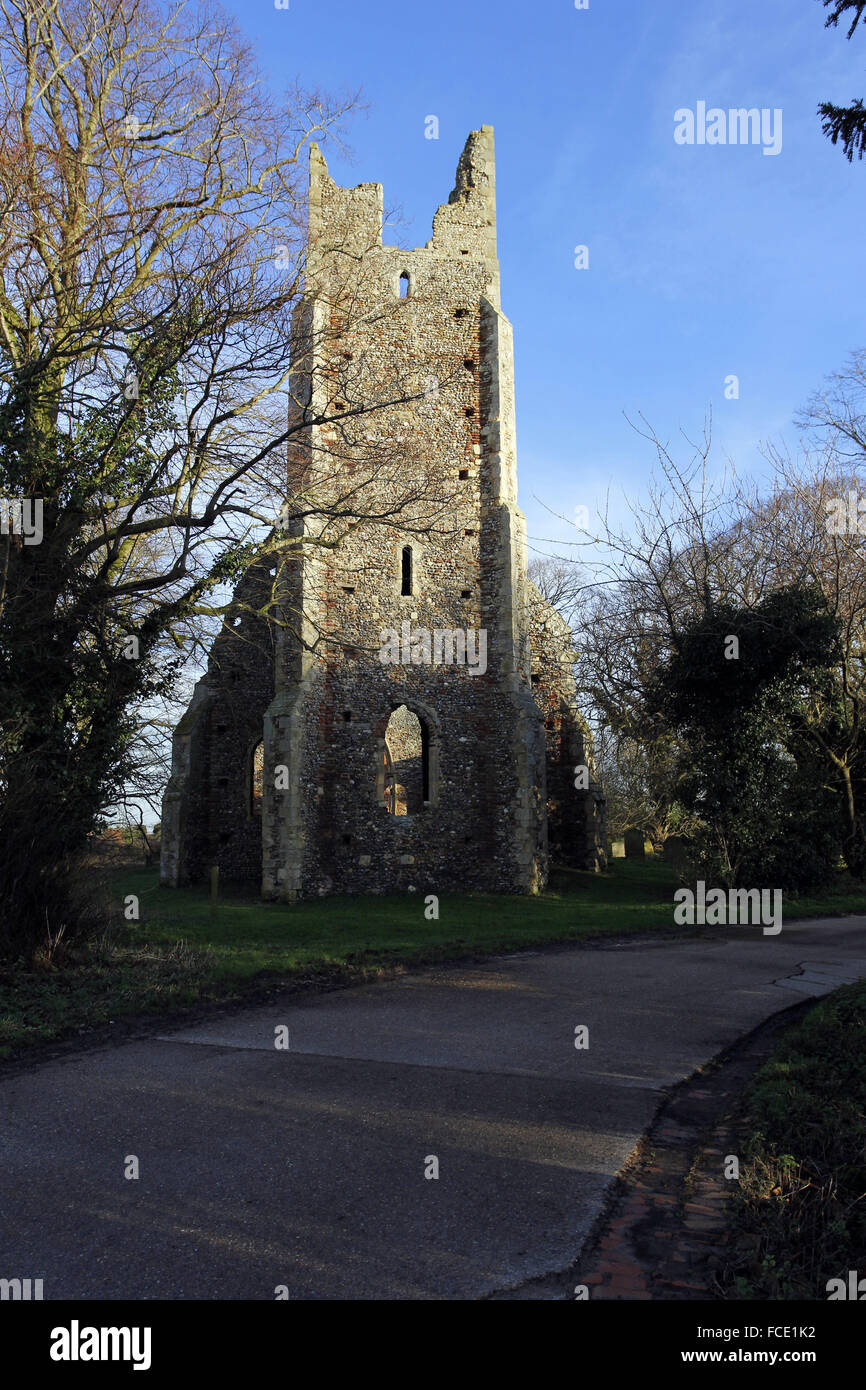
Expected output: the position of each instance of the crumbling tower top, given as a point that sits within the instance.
(350, 219)
(467, 222)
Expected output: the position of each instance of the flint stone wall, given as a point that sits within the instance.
(499, 749)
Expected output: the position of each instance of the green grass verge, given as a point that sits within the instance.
(177, 954)
(249, 936)
(800, 1204)
(106, 981)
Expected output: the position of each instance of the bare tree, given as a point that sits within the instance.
(812, 531)
(154, 350)
(560, 582)
(701, 542)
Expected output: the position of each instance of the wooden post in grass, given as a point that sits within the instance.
(214, 891)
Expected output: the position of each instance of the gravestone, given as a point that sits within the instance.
(676, 851)
(634, 844)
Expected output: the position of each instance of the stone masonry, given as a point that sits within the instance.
(306, 761)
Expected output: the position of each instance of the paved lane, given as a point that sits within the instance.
(305, 1167)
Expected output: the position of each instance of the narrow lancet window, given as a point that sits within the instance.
(257, 779)
(406, 571)
(407, 763)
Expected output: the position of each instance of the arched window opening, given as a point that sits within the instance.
(407, 763)
(406, 571)
(257, 780)
(404, 285)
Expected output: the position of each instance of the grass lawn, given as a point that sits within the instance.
(250, 936)
(177, 955)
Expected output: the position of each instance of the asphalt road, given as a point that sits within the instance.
(304, 1167)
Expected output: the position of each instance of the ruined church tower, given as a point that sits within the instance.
(309, 759)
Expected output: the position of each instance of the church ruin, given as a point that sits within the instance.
(347, 736)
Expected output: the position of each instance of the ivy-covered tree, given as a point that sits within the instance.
(737, 688)
(152, 266)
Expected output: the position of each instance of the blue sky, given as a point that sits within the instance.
(704, 261)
